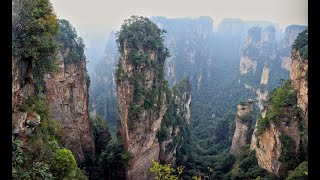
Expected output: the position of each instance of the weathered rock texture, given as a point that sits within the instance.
(246, 65)
(265, 75)
(298, 76)
(67, 95)
(138, 134)
(268, 145)
(265, 59)
(23, 123)
(179, 112)
(242, 132)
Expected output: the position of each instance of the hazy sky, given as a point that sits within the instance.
(95, 19)
(109, 14)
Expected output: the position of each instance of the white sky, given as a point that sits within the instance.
(108, 14)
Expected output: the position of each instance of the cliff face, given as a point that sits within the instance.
(268, 146)
(67, 95)
(177, 117)
(184, 38)
(142, 93)
(22, 87)
(243, 130)
(283, 142)
(264, 59)
(284, 49)
(298, 75)
(138, 132)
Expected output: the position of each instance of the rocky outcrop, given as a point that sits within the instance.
(182, 39)
(243, 129)
(290, 34)
(286, 63)
(142, 97)
(265, 75)
(178, 115)
(268, 146)
(298, 76)
(23, 123)
(67, 96)
(247, 65)
(264, 61)
(284, 140)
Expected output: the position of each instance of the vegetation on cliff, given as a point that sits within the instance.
(142, 39)
(301, 44)
(35, 42)
(281, 106)
(246, 166)
(34, 28)
(175, 118)
(69, 42)
(41, 156)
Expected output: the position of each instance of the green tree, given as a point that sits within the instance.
(34, 27)
(299, 173)
(69, 41)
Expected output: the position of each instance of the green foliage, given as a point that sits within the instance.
(139, 32)
(242, 102)
(301, 44)
(288, 155)
(34, 27)
(283, 96)
(281, 106)
(246, 166)
(141, 38)
(246, 118)
(65, 165)
(69, 41)
(165, 172)
(41, 156)
(299, 173)
(114, 160)
(101, 133)
(182, 86)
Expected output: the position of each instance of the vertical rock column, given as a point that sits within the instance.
(242, 133)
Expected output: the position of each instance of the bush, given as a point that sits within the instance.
(68, 39)
(64, 165)
(300, 172)
(288, 155)
(114, 160)
(280, 106)
(301, 44)
(34, 27)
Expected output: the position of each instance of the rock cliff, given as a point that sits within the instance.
(22, 88)
(184, 37)
(265, 59)
(299, 78)
(141, 94)
(281, 136)
(176, 120)
(67, 95)
(243, 129)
